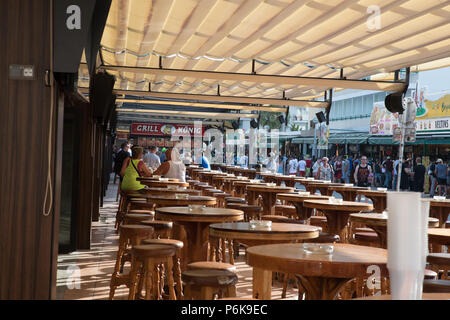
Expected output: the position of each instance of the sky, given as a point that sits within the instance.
(437, 82)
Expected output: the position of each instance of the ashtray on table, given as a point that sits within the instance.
(260, 224)
(196, 207)
(318, 248)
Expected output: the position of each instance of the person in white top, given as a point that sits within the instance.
(173, 167)
(272, 162)
(151, 159)
(292, 166)
(302, 167)
(316, 169)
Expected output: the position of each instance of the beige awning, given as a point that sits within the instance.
(278, 37)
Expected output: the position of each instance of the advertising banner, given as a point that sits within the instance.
(432, 116)
(162, 129)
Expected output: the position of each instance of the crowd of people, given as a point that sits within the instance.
(364, 172)
(131, 162)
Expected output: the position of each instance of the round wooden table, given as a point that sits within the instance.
(306, 182)
(289, 181)
(425, 296)
(268, 194)
(378, 222)
(155, 190)
(172, 200)
(277, 233)
(323, 187)
(163, 184)
(379, 198)
(240, 186)
(322, 276)
(439, 209)
(348, 193)
(207, 176)
(297, 201)
(195, 223)
(268, 177)
(337, 214)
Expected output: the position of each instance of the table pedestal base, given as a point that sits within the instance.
(319, 288)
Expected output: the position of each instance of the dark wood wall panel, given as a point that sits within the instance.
(26, 245)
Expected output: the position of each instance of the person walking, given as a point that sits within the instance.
(388, 167)
(433, 179)
(120, 158)
(325, 171)
(441, 175)
(346, 170)
(315, 169)
(292, 166)
(419, 175)
(404, 180)
(338, 170)
(302, 167)
(378, 181)
(362, 172)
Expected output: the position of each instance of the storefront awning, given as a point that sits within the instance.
(387, 140)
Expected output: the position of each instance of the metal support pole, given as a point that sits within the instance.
(401, 149)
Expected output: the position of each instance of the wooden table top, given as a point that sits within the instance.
(199, 215)
(248, 182)
(347, 260)
(378, 219)
(169, 190)
(425, 296)
(155, 179)
(295, 197)
(348, 188)
(345, 206)
(165, 183)
(277, 231)
(374, 193)
(439, 235)
(323, 183)
(438, 203)
(265, 188)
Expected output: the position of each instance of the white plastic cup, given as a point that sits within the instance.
(407, 244)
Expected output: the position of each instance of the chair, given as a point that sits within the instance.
(370, 239)
(136, 218)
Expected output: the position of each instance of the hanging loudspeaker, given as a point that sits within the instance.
(254, 124)
(321, 117)
(394, 102)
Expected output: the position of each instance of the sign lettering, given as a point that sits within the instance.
(74, 20)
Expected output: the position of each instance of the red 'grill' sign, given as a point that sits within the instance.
(161, 129)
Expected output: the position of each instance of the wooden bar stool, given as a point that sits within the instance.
(221, 199)
(235, 200)
(205, 284)
(431, 286)
(163, 229)
(275, 218)
(129, 234)
(370, 239)
(211, 265)
(136, 218)
(146, 262)
(284, 210)
(140, 204)
(210, 192)
(440, 263)
(178, 245)
(251, 212)
(319, 221)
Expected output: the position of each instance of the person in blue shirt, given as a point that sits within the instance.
(205, 163)
(162, 156)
